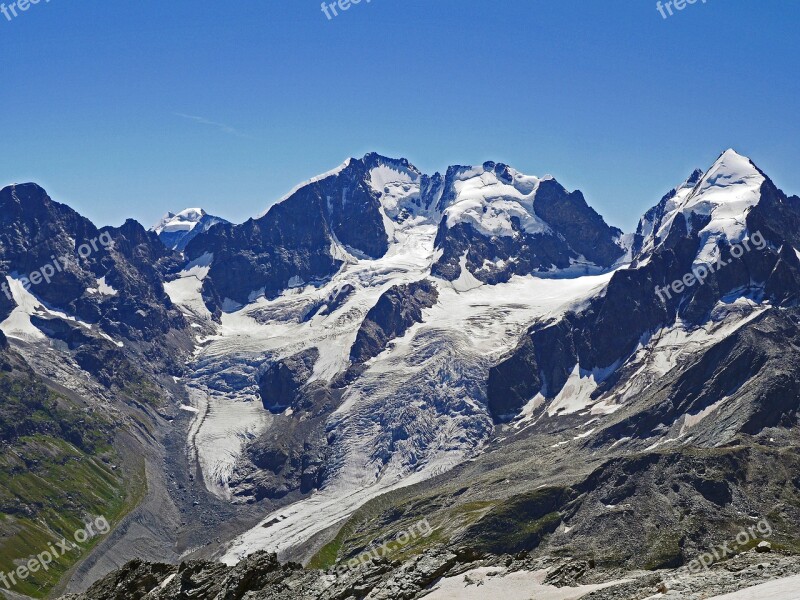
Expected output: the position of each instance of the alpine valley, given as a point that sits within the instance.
(266, 410)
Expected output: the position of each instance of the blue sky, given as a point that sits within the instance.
(130, 109)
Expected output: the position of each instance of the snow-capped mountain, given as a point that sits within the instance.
(491, 223)
(716, 204)
(476, 347)
(432, 299)
(177, 230)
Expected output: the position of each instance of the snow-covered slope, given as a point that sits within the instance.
(177, 230)
(780, 589)
(719, 201)
(489, 200)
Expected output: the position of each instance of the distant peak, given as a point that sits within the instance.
(191, 213)
(184, 220)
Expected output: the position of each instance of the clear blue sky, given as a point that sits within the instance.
(606, 95)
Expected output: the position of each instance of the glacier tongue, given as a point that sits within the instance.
(419, 409)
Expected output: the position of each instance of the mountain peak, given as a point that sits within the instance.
(373, 159)
(696, 176)
(732, 180)
(22, 192)
(176, 230)
(722, 197)
(185, 220)
(731, 161)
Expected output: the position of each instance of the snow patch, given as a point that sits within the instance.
(496, 582)
(780, 589)
(105, 289)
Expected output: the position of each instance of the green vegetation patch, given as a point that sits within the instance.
(519, 523)
(57, 473)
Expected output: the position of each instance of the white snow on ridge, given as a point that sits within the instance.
(488, 203)
(726, 193)
(297, 188)
(186, 220)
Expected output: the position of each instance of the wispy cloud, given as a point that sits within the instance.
(220, 126)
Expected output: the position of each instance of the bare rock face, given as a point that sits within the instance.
(292, 241)
(280, 384)
(581, 226)
(134, 580)
(36, 232)
(198, 580)
(395, 312)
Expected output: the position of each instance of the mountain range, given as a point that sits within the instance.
(477, 349)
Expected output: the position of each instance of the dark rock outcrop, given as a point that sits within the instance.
(395, 312)
(292, 242)
(38, 235)
(581, 227)
(281, 382)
